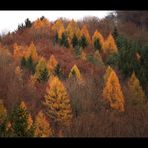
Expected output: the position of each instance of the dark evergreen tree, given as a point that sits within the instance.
(83, 42)
(97, 44)
(75, 41)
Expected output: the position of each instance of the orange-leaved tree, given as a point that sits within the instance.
(58, 103)
(109, 45)
(52, 63)
(85, 32)
(98, 35)
(58, 27)
(72, 28)
(112, 92)
(136, 92)
(31, 51)
(42, 126)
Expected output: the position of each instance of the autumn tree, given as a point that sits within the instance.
(74, 72)
(41, 71)
(40, 23)
(136, 91)
(109, 45)
(22, 123)
(72, 28)
(112, 92)
(58, 27)
(84, 32)
(97, 40)
(52, 63)
(58, 102)
(31, 51)
(42, 126)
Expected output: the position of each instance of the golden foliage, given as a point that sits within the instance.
(75, 72)
(18, 72)
(52, 63)
(42, 126)
(84, 31)
(41, 23)
(135, 88)
(72, 29)
(98, 35)
(112, 92)
(58, 27)
(31, 51)
(109, 45)
(58, 102)
(40, 67)
(107, 73)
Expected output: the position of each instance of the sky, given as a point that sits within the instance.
(11, 19)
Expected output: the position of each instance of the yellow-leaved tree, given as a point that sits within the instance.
(107, 73)
(109, 45)
(31, 51)
(136, 92)
(37, 24)
(74, 72)
(58, 27)
(42, 126)
(72, 28)
(98, 35)
(112, 92)
(52, 63)
(58, 103)
(84, 31)
(41, 71)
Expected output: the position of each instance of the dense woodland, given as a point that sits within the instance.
(67, 78)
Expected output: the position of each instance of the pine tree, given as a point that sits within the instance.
(58, 103)
(28, 23)
(42, 126)
(64, 40)
(97, 45)
(41, 71)
(74, 72)
(83, 42)
(21, 120)
(115, 33)
(112, 92)
(75, 41)
(58, 71)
